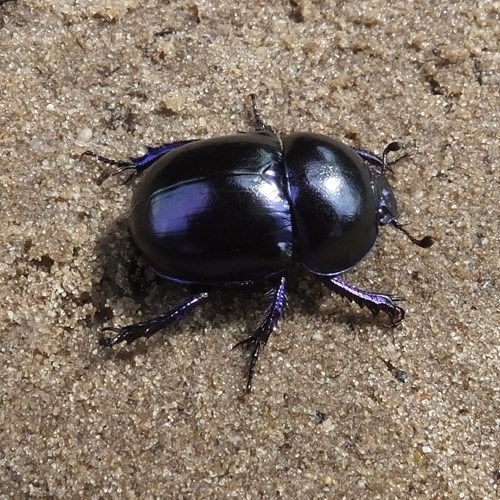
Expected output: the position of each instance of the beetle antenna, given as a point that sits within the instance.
(390, 148)
(425, 242)
(260, 124)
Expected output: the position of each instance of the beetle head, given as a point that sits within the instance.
(387, 208)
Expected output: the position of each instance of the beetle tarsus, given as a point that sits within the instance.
(259, 123)
(375, 302)
(143, 162)
(130, 333)
(258, 339)
(122, 165)
(140, 163)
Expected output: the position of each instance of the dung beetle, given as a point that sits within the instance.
(241, 209)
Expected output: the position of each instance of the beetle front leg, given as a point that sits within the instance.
(258, 339)
(375, 302)
(380, 161)
(370, 157)
(145, 329)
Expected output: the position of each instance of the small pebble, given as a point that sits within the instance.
(84, 135)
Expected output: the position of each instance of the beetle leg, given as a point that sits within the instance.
(145, 329)
(122, 165)
(375, 302)
(259, 123)
(370, 157)
(140, 163)
(381, 161)
(258, 339)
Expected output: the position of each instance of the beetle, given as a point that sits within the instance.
(240, 209)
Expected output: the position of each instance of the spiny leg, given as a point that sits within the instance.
(258, 339)
(380, 161)
(153, 153)
(140, 163)
(259, 123)
(375, 302)
(145, 329)
(122, 165)
(370, 157)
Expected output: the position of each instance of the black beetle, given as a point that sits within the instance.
(241, 209)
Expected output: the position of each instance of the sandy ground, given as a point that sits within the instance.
(342, 407)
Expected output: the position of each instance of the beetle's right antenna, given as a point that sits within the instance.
(260, 124)
(424, 242)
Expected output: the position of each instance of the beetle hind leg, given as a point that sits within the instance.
(122, 165)
(375, 302)
(147, 328)
(258, 339)
(140, 163)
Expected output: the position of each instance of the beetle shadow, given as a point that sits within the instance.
(124, 282)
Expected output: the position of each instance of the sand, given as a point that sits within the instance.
(342, 406)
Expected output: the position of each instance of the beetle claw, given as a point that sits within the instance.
(105, 342)
(256, 343)
(260, 124)
(245, 342)
(123, 334)
(397, 298)
(397, 316)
